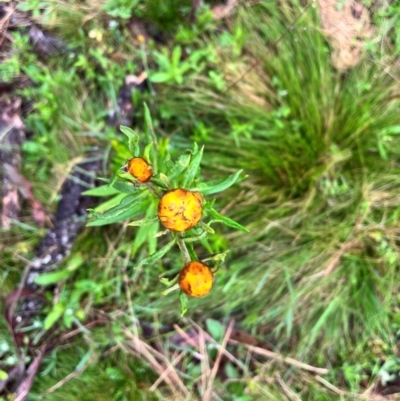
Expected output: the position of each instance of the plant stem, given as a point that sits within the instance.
(183, 248)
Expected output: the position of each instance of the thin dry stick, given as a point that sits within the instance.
(207, 394)
(142, 352)
(167, 371)
(4, 22)
(330, 386)
(287, 390)
(71, 376)
(173, 373)
(149, 352)
(191, 342)
(335, 259)
(205, 366)
(183, 333)
(279, 357)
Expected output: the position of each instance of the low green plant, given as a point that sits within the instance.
(135, 204)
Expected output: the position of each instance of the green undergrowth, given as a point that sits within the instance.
(316, 275)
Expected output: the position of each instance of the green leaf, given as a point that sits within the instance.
(110, 203)
(226, 220)
(206, 227)
(160, 77)
(233, 373)
(130, 206)
(75, 262)
(213, 187)
(3, 375)
(146, 153)
(183, 298)
(126, 187)
(215, 329)
(179, 167)
(53, 277)
(133, 140)
(150, 136)
(192, 252)
(143, 222)
(165, 180)
(159, 183)
(195, 238)
(147, 232)
(176, 56)
(103, 190)
(84, 360)
(156, 255)
(54, 315)
(193, 169)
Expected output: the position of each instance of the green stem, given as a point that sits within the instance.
(183, 248)
(153, 189)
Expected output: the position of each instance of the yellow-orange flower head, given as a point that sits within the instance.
(196, 279)
(180, 210)
(140, 169)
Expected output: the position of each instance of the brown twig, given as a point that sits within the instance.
(284, 359)
(207, 393)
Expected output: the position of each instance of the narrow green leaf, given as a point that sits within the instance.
(150, 136)
(108, 204)
(147, 232)
(146, 153)
(133, 140)
(54, 315)
(143, 222)
(115, 178)
(195, 238)
(193, 169)
(183, 298)
(176, 56)
(206, 227)
(321, 322)
(130, 213)
(218, 185)
(53, 277)
(84, 360)
(226, 220)
(75, 262)
(173, 287)
(165, 180)
(103, 190)
(159, 183)
(160, 77)
(156, 255)
(126, 186)
(192, 252)
(179, 167)
(131, 206)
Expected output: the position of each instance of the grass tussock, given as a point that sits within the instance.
(321, 198)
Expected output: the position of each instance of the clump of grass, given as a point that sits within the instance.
(320, 200)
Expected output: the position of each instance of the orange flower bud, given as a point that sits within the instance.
(196, 279)
(180, 210)
(140, 169)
